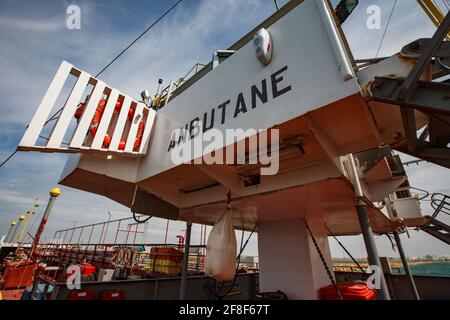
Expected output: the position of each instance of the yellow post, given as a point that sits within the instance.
(433, 12)
(27, 220)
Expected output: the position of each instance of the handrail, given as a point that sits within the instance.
(440, 203)
(422, 190)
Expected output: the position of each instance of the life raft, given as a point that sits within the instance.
(98, 117)
(349, 291)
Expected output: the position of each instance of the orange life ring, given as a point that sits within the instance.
(98, 116)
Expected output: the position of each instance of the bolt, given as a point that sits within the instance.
(414, 45)
(377, 83)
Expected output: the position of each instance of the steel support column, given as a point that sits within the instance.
(406, 266)
(187, 243)
(10, 232)
(51, 201)
(372, 253)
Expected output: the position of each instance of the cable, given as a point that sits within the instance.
(385, 30)
(345, 249)
(390, 240)
(422, 190)
(11, 155)
(324, 263)
(54, 116)
(238, 259)
(446, 4)
(141, 221)
(140, 36)
(124, 50)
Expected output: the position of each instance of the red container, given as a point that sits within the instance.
(349, 291)
(18, 274)
(87, 270)
(166, 253)
(87, 294)
(112, 295)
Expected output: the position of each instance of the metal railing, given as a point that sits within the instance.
(440, 203)
(138, 260)
(124, 236)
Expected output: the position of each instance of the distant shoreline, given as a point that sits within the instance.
(348, 265)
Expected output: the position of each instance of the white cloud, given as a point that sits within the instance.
(32, 25)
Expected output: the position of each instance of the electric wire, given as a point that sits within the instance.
(385, 29)
(324, 263)
(140, 220)
(348, 253)
(446, 4)
(238, 260)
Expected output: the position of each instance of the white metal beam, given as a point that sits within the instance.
(225, 175)
(42, 113)
(147, 131)
(120, 125)
(106, 119)
(88, 114)
(138, 116)
(68, 111)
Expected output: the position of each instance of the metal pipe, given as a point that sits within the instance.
(187, 244)
(27, 220)
(372, 253)
(79, 237)
(117, 232)
(167, 229)
(276, 4)
(406, 265)
(10, 232)
(366, 229)
(101, 234)
(54, 193)
(17, 228)
(107, 226)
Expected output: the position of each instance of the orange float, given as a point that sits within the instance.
(98, 116)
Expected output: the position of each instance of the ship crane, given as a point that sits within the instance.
(329, 125)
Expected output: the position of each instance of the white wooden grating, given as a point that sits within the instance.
(121, 129)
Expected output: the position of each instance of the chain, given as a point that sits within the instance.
(325, 265)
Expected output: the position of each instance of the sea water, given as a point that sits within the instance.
(430, 269)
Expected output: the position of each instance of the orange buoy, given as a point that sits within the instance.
(98, 116)
(349, 291)
(107, 141)
(121, 145)
(80, 111)
(118, 106)
(139, 134)
(131, 114)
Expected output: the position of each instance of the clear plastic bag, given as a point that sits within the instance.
(221, 249)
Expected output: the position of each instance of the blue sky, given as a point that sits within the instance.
(34, 39)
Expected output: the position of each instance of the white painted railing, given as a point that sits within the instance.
(121, 128)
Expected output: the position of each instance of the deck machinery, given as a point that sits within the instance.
(337, 123)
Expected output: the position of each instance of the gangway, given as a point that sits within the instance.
(438, 229)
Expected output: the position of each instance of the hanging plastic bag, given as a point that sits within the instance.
(221, 249)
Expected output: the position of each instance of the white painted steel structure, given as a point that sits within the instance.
(110, 123)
